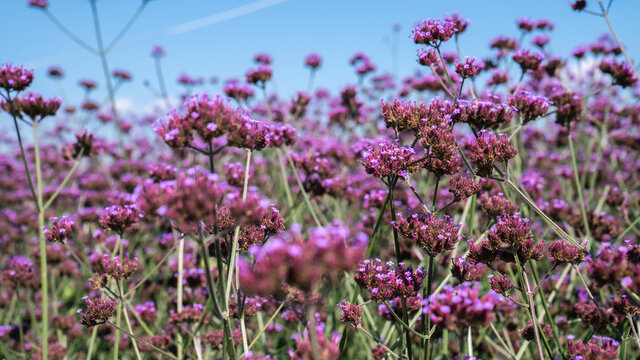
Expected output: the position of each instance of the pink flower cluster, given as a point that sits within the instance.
(386, 281)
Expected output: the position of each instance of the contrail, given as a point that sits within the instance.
(171, 31)
(220, 17)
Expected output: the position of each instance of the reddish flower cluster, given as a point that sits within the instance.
(621, 73)
(433, 32)
(18, 271)
(461, 307)
(467, 69)
(483, 113)
(98, 311)
(501, 284)
(15, 77)
(566, 253)
(440, 142)
(527, 60)
(464, 271)
(60, 229)
(119, 218)
(434, 234)
(188, 200)
(33, 106)
(350, 313)
(313, 61)
(260, 75)
(238, 91)
(428, 57)
(83, 147)
(387, 159)
(286, 261)
(597, 348)
(487, 148)
(529, 106)
(119, 268)
(401, 115)
(386, 281)
(463, 188)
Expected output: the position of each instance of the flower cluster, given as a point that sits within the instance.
(313, 61)
(119, 268)
(189, 199)
(387, 159)
(15, 77)
(433, 32)
(597, 348)
(298, 262)
(386, 281)
(435, 235)
(465, 271)
(483, 113)
(467, 69)
(401, 115)
(350, 313)
(119, 218)
(98, 311)
(33, 106)
(529, 106)
(487, 148)
(566, 253)
(18, 271)
(84, 146)
(461, 307)
(527, 60)
(621, 73)
(60, 229)
(463, 188)
(260, 75)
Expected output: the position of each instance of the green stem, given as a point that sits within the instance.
(576, 177)
(43, 249)
(180, 280)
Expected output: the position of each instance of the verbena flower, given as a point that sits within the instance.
(15, 77)
(386, 281)
(461, 307)
(597, 348)
(60, 229)
(487, 149)
(435, 235)
(98, 311)
(433, 32)
(386, 159)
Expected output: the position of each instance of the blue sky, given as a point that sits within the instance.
(219, 38)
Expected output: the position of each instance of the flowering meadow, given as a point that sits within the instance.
(482, 208)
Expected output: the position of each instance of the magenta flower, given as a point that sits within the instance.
(98, 311)
(60, 229)
(467, 68)
(386, 281)
(429, 232)
(433, 32)
(461, 307)
(119, 218)
(313, 61)
(15, 77)
(386, 159)
(597, 348)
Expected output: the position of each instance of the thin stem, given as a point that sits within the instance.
(24, 157)
(576, 177)
(180, 285)
(64, 182)
(163, 86)
(273, 317)
(67, 32)
(544, 216)
(43, 248)
(605, 15)
(307, 200)
(105, 68)
(143, 341)
(127, 26)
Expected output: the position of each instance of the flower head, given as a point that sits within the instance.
(98, 311)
